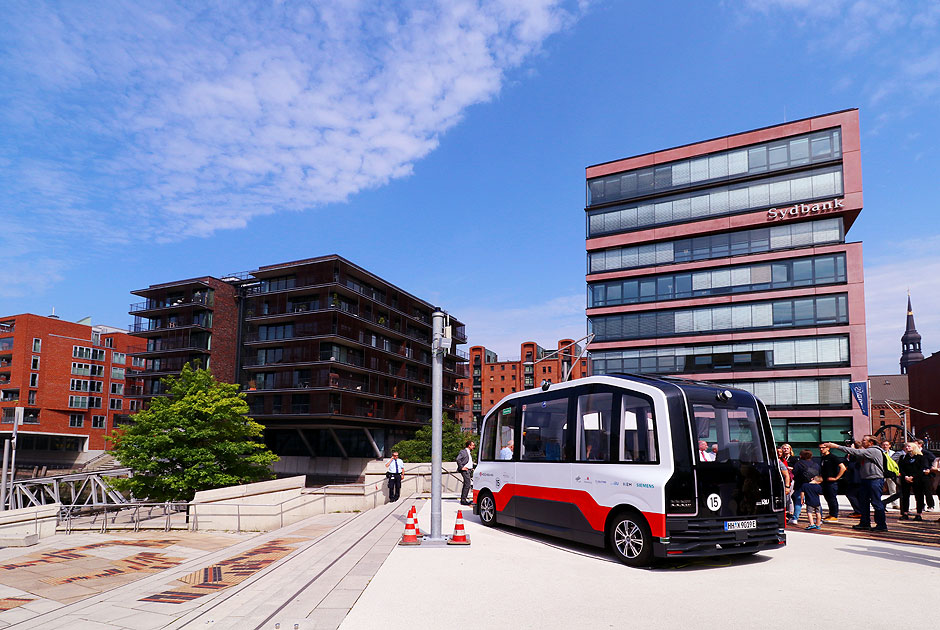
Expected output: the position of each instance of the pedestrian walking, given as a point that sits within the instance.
(465, 466)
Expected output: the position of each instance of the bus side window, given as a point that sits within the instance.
(506, 435)
(594, 412)
(544, 426)
(638, 431)
(488, 439)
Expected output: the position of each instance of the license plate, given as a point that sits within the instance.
(732, 526)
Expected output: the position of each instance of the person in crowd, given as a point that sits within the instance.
(831, 469)
(465, 466)
(704, 453)
(932, 480)
(811, 492)
(871, 460)
(891, 486)
(912, 479)
(787, 480)
(852, 482)
(804, 471)
(506, 451)
(394, 469)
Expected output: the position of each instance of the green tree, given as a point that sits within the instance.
(198, 437)
(418, 449)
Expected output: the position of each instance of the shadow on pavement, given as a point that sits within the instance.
(895, 554)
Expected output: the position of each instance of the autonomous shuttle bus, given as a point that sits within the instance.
(651, 467)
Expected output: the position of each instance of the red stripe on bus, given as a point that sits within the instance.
(595, 514)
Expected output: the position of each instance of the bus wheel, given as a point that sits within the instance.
(630, 539)
(487, 509)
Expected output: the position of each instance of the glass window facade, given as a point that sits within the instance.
(799, 392)
(720, 201)
(778, 237)
(829, 351)
(788, 313)
(814, 148)
(782, 274)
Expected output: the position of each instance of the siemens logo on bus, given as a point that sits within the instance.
(803, 209)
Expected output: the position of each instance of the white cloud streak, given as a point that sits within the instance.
(182, 119)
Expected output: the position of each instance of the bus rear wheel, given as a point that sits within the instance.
(487, 509)
(630, 539)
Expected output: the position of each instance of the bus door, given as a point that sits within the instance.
(504, 455)
(543, 474)
(593, 481)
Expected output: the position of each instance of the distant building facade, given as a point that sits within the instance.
(726, 260)
(889, 400)
(335, 361)
(492, 379)
(923, 379)
(68, 381)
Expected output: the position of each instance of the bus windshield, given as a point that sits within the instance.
(727, 433)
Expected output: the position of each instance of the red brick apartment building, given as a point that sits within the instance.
(492, 379)
(69, 380)
(726, 260)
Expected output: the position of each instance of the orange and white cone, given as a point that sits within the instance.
(410, 537)
(460, 536)
(414, 513)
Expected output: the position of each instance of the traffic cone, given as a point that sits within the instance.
(460, 536)
(409, 537)
(414, 513)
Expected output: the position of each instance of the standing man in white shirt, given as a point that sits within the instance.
(704, 453)
(465, 466)
(395, 468)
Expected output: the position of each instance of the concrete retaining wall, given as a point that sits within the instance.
(17, 524)
(268, 505)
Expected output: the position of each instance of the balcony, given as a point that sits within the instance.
(197, 299)
(156, 326)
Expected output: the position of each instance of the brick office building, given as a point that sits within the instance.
(70, 380)
(492, 379)
(726, 260)
(335, 361)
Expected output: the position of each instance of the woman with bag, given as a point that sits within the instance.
(912, 480)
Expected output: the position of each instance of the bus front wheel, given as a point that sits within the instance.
(487, 509)
(630, 539)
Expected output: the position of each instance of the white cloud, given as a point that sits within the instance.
(886, 286)
(504, 329)
(181, 121)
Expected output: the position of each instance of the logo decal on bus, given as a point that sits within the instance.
(645, 485)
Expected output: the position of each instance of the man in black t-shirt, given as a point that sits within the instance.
(831, 468)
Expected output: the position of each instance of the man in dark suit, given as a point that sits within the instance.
(465, 466)
(395, 469)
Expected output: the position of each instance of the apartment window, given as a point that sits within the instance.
(109, 342)
(76, 420)
(34, 380)
(34, 364)
(81, 352)
(133, 405)
(138, 362)
(81, 369)
(78, 402)
(118, 357)
(32, 398)
(96, 370)
(37, 345)
(117, 373)
(94, 402)
(116, 403)
(98, 422)
(278, 284)
(79, 385)
(117, 389)
(97, 354)
(95, 386)
(96, 338)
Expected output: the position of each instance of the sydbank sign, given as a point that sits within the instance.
(806, 209)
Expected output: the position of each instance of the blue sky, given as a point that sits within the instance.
(439, 144)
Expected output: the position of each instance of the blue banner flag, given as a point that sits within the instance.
(860, 393)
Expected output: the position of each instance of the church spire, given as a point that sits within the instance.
(910, 340)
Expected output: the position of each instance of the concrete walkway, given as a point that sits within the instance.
(309, 574)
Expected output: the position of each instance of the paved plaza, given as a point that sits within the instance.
(346, 571)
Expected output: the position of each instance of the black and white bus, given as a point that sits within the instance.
(651, 467)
